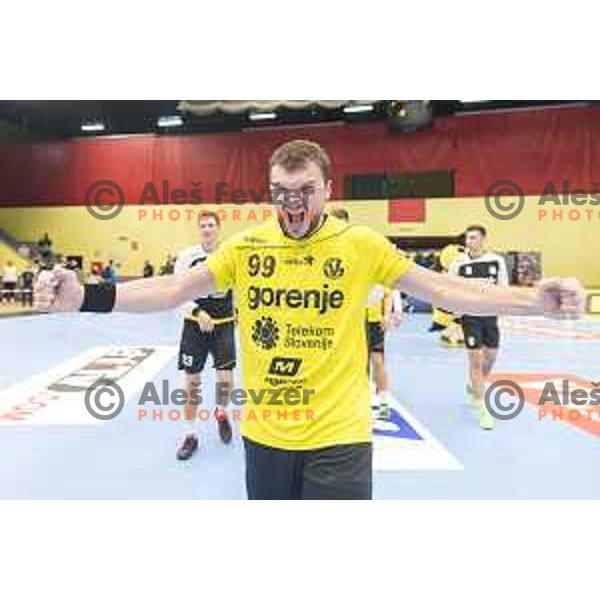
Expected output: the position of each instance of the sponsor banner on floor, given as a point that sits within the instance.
(57, 396)
(404, 444)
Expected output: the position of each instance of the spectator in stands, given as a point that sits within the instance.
(73, 265)
(45, 247)
(10, 277)
(27, 279)
(148, 269)
(525, 273)
(93, 277)
(24, 250)
(109, 274)
(429, 260)
(425, 259)
(39, 266)
(168, 267)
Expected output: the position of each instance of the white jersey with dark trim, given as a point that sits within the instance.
(489, 268)
(218, 305)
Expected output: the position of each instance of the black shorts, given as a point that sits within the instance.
(480, 332)
(375, 337)
(343, 472)
(196, 345)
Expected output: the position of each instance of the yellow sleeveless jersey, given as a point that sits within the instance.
(301, 310)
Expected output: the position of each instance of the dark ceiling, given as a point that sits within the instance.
(63, 118)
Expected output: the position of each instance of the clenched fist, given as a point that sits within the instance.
(57, 291)
(560, 298)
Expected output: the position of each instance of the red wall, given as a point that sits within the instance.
(529, 147)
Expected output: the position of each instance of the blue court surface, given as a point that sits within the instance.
(433, 448)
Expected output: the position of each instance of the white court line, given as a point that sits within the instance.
(401, 454)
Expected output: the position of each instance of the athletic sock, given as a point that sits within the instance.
(189, 427)
(384, 398)
(384, 404)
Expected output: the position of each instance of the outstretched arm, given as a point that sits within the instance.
(162, 293)
(59, 291)
(557, 297)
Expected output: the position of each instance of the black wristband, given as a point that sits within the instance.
(98, 297)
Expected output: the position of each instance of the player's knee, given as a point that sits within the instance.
(489, 358)
(224, 376)
(192, 380)
(476, 359)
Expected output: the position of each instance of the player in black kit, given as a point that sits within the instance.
(208, 329)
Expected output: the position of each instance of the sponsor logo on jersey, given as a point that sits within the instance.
(284, 367)
(333, 268)
(265, 333)
(254, 240)
(299, 262)
(322, 300)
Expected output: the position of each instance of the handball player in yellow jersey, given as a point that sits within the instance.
(301, 284)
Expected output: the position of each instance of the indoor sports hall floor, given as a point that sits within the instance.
(125, 458)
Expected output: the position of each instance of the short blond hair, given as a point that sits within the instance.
(297, 153)
(209, 214)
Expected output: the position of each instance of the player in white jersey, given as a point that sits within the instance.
(208, 329)
(482, 336)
